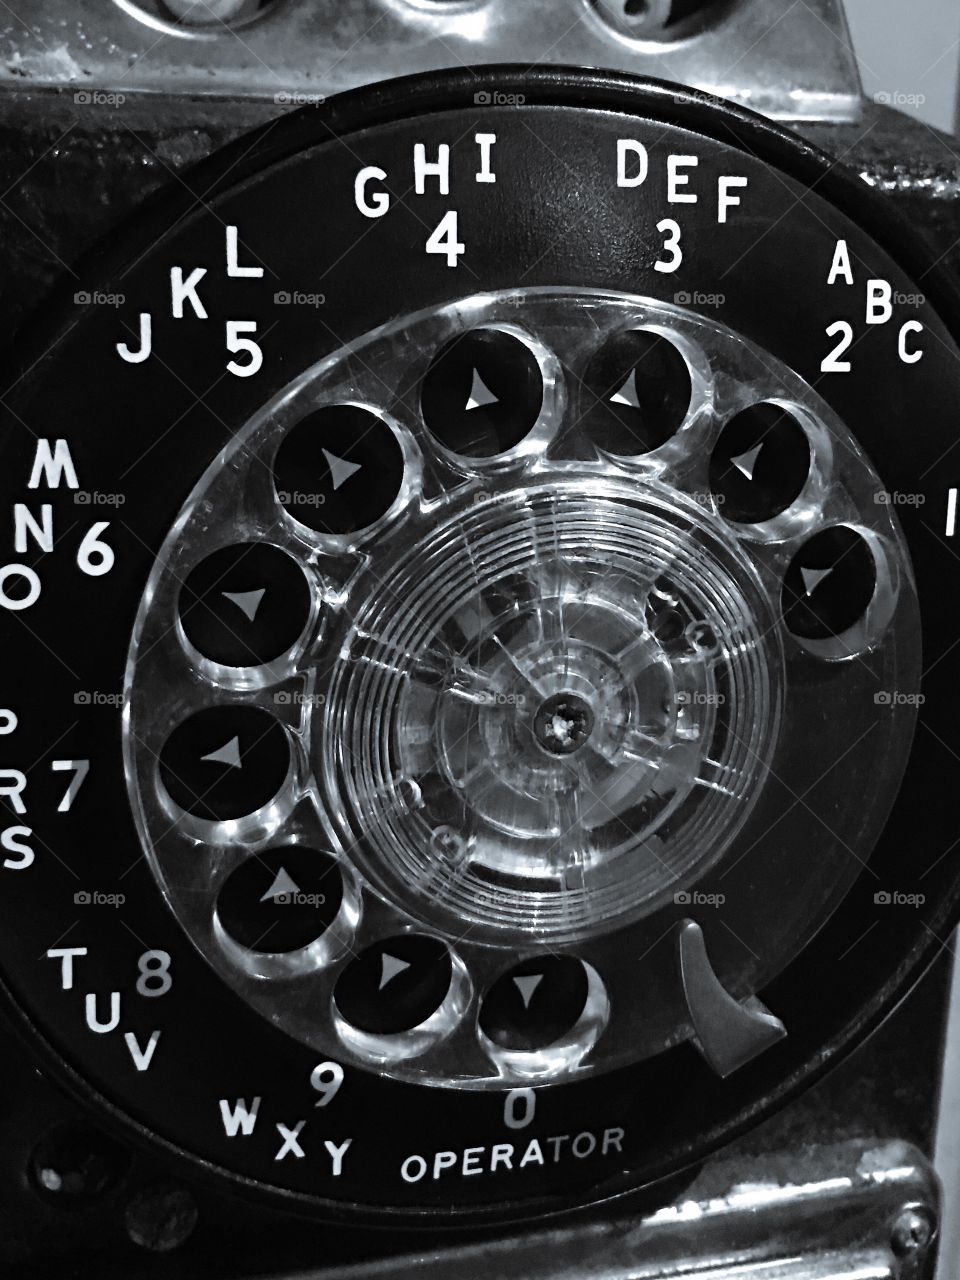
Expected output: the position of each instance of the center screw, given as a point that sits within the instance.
(563, 724)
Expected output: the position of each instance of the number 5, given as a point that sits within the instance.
(247, 345)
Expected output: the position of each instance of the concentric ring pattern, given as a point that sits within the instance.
(429, 746)
(494, 648)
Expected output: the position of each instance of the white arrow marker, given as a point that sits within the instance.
(527, 986)
(480, 393)
(282, 887)
(746, 462)
(628, 393)
(812, 578)
(340, 469)
(391, 966)
(228, 754)
(247, 601)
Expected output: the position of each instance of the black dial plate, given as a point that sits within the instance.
(175, 1052)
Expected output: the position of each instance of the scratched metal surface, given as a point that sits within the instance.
(777, 56)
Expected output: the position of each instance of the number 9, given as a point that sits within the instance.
(326, 1079)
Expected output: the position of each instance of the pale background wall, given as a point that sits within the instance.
(909, 49)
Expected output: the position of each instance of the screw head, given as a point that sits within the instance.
(563, 724)
(637, 15)
(161, 1217)
(912, 1231)
(74, 1166)
(658, 19)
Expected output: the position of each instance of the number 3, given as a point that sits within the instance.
(671, 245)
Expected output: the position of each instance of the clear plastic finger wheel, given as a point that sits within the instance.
(480, 647)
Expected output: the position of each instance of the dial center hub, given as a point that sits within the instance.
(563, 723)
(557, 711)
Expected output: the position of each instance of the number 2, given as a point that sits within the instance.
(833, 363)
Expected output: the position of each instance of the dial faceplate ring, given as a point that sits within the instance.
(671, 1109)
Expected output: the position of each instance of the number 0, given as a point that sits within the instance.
(519, 1108)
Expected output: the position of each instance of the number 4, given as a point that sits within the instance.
(444, 238)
